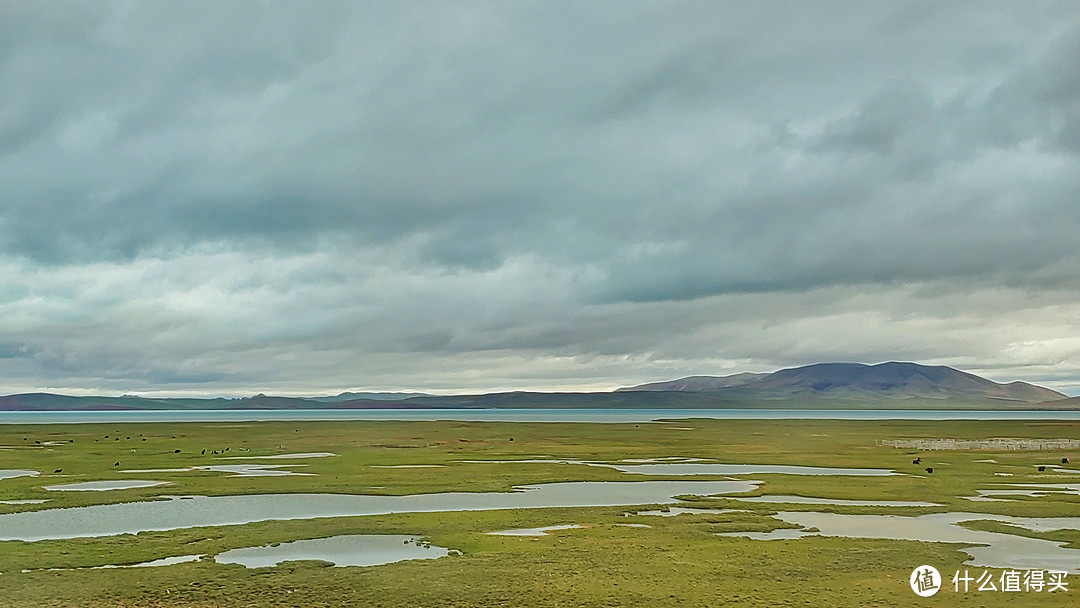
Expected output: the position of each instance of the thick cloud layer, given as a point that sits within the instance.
(221, 198)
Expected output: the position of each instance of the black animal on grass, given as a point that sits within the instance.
(917, 461)
(1065, 460)
(1041, 469)
(58, 471)
(929, 469)
(116, 464)
(176, 451)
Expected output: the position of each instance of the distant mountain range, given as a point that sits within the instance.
(821, 386)
(343, 397)
(859, 381)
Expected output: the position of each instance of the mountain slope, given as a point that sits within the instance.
(894, 380)
(1069, 403)
(698, 383)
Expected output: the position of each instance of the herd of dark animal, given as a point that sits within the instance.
(1042, 468)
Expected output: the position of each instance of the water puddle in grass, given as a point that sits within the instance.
(23, 502)
(665, 459)
(104, 486)
(253, 470)
(1031, 490)
(994, 550)
(13, 473)
(165, 561)
(407, 466)
(347, 550)
(692, 467)
(778, 534)
(144, 516)
(711, 468)
(536, 531)
(673, 511)
(835, 501)
(237, 470)
(285, 456)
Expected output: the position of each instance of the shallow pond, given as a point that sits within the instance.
(134, 517)
(237, 470)
(713, 468)
(13, 473)
(103, 486)
(1031, 490)
(253, 470)
(165, 561)
(285, 456)
(693, 467)
(778, 498)
(348, 550)
(996, 550)
(536, 531)
(673, 511)
(778, 534)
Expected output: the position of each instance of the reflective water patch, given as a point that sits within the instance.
(144, 516)
(535, 531)
(13, 473)
(777, 498)
(104, 486)
(347, 550)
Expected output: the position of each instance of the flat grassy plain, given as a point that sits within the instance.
(678, 561)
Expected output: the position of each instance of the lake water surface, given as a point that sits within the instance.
(523, 415)
(189, 512)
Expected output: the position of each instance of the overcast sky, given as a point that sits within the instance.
(222, 198)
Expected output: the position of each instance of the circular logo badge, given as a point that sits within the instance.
(925, 581)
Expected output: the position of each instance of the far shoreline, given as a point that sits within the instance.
(566, 415)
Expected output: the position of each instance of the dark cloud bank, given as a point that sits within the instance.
(218, 198)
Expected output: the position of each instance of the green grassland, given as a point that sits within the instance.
(678, 561)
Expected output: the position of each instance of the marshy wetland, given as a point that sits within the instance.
(382, 506)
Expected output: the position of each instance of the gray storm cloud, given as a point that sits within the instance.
(222, 198)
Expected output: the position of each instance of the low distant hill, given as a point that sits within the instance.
(1071, 403)
(820, 386)
(343, 397)
(858, 381)
(698, 383)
